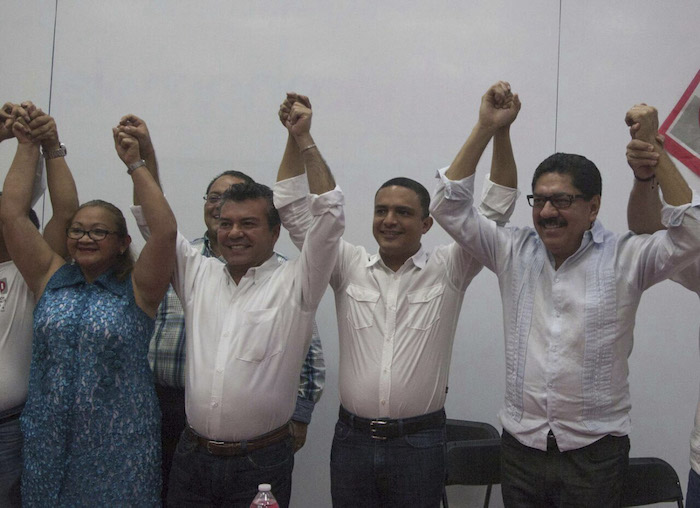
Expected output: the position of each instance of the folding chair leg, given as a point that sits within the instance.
(487, 499)
(444, 497)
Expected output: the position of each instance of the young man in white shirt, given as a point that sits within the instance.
(397, 313)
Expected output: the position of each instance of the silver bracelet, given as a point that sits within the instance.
(312, 145)
(135, 165)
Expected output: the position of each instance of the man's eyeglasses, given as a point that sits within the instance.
(559, 201)
(96, 234)
(212, 199)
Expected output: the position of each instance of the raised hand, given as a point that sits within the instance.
(136, 127)
(642, 158)
(127, 146)
(9, 115)
(43, 129)
(643, 121)
(499, 106)
(6, 121)
(298, 115)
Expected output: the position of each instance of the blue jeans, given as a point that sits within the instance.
(198, 478)
(402, 471)
(589, 476)
(692, 496)
(10, 463)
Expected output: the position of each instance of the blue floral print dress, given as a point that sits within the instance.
(91, 422)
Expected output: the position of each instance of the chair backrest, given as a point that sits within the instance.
(465, 430)
(651, 480)
(474, 462)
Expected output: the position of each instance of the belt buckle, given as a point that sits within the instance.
(375, 426)
(214, 446)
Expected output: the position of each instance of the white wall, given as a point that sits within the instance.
(395, 88)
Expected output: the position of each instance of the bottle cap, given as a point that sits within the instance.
(264, 487)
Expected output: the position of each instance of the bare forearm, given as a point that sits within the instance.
(503, 169)
(317, 171)
(464, 165)
(152, 166)
(156, 209)
(19, 182)
(673, 185)
(644, 208)
(64, 202)
(292, 163)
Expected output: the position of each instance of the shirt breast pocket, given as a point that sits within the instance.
(258, 338)
(361, 303)
(424, 307)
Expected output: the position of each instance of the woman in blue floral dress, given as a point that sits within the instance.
(91, 422)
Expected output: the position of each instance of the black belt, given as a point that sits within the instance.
(231, 448)
(384, 428)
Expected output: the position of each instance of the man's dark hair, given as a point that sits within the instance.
(584, 174)
(231, 172)
(421, 192)
(252, 190)
(32, 216)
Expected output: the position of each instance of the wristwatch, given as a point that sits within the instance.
(135, 165)
(61, 151)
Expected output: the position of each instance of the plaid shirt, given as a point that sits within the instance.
(166, 353)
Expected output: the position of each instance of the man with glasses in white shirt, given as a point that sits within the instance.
(570, 290)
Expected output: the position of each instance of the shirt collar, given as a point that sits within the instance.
(597, 232)
(419, 259)
(72, 275)
(259, 273)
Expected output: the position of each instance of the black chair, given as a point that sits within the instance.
(650, 480)
(473, 456)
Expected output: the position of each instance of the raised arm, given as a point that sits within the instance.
(673, 185)
(292, 163)
(62, 191)
(499, 108)
(32, 255)
(644, 205)
(299, 125)
(136, 127)
(156, 262)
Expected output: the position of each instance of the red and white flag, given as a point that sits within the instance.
(682, 127)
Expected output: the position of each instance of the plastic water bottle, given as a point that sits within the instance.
(264, 497)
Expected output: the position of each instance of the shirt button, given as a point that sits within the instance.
(383, 402)
(215, 404)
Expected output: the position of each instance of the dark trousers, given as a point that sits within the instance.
(589, 476)
(10, 462)
(692, 496)
(199, 478)
(172, 423)
(401, 471)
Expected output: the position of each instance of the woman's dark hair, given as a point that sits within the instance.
(125, 261)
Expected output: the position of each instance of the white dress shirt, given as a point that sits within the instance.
(568, 332)
(16, 320)
(396, 329)
(246, 342)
